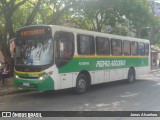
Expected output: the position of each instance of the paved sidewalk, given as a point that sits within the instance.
(155, 68)
(8, 88)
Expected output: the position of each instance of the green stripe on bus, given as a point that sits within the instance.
(93, 64)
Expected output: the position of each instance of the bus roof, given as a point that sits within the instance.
(93, 33)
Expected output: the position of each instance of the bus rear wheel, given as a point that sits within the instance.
(81, 84)
(131, 75)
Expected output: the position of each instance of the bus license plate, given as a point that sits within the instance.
(26, 84)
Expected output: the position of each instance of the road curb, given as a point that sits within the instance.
(152, 71)
(14, 92)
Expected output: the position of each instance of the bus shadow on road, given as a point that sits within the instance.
(109, 96)
(110, 86)
(114, 84)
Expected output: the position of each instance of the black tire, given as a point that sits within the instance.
(81, 84)
(131, 75)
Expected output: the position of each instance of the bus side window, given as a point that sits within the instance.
(64, 47)
(141, 49)
(134, 48)
(146, 49)
(85, 44)
(102, 46)
(126, 48)
(116, 46)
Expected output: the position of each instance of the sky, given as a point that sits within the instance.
(156, 1)
(156, 7)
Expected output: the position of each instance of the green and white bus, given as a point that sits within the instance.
(56, 57)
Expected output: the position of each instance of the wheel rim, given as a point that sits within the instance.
(81, 84)
(131, 76)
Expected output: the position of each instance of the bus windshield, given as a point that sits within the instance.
(34, 51)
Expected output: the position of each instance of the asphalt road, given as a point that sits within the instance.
(142, 95)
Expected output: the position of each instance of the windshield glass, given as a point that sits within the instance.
(34, 52)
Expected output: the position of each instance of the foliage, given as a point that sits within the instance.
(122, 16)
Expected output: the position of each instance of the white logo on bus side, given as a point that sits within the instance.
(113, 63)
(83, 63)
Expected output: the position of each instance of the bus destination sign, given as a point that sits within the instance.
(26, 33)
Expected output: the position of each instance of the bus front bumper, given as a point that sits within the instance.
(46, 84)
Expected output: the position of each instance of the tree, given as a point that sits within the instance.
(97, 13)
(7, 10)
(53, 11)
(138, 13)
(134, 15)
(121, 15)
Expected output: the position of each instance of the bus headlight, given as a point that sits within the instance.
(16, 76)
(40, 78)
(43, 77)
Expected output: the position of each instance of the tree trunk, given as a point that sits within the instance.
(138, 33)
(5, 47)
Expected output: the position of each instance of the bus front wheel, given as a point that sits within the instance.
(131, 75)
(81, 84)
